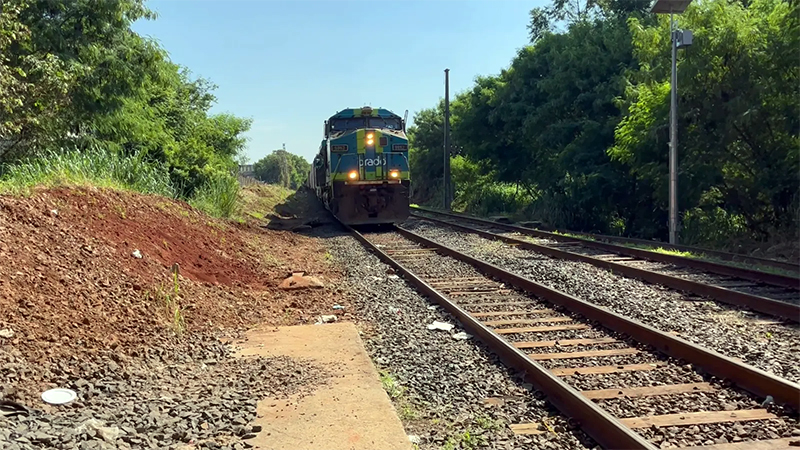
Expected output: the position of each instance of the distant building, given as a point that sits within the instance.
(246, 170)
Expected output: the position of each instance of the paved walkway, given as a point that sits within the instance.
(352, 412)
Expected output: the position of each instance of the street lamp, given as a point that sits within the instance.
(678, 39)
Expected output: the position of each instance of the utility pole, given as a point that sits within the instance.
(447, 194)
(673, 136)
(678, 39)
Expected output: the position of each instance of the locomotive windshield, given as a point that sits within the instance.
(380, 122)
(347, 124)
(368, 122)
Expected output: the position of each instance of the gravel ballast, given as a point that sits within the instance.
(757, 340)
(440, 385)
(192, 394)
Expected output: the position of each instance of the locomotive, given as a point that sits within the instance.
(361, 172)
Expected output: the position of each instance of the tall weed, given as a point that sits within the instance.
(92, 166)
(218, 197)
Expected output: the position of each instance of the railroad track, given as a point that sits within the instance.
(767, 293)
(722, 256)
(627, 385)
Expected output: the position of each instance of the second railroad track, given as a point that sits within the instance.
(763, 292)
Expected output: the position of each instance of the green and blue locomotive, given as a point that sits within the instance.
(361, 172)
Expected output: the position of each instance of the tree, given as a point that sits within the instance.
(738, 119)
(73, 74)
(282, 168)
(426, 160)
(544, 125)
(543, 20)
(33, 87)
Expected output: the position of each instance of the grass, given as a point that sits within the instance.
(219, 197)
(89, 167)
(258, 200)
(465, 441)
(704, 257)
(391, 386)
(488, 424)
(406, 411)
(172, 309)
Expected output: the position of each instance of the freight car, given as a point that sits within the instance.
(361, 172)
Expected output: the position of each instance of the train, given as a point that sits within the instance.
(361, 172)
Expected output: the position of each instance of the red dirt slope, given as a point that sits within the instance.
(70, 285)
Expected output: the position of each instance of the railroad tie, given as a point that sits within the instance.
(667, 420)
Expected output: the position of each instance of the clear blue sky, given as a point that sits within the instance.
(289, 65)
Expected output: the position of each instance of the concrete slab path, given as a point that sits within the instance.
(352, 412)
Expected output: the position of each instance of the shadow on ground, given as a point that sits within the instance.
(300, 211)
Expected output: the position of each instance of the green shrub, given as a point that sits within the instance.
(218, 197)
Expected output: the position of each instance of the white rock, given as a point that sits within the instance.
(462, 336)
(325, 319)
(436, 325)
(137, 254)
(7, 333)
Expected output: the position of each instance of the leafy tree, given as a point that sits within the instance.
(74, 74)
(544, 125)
(282, 168)
(426, 160)
(738, 118)
(543, 20)
(33, 87)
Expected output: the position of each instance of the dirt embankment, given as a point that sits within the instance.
(72, 283)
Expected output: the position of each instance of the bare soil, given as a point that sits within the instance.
(70, 287)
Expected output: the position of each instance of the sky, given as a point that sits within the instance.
(289, 65)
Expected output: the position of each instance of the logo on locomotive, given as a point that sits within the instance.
(369, 162)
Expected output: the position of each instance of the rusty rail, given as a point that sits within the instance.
(754, 302)
(780, 280)
(747, 377)
(597, 423)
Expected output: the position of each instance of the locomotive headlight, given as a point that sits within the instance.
(394, 174)
(370, 138)
(352, 175)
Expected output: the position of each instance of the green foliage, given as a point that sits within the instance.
(89, 167)
(74, 75)
(575, 131)
(391, 386)
(425, 155)
(738, 119)
(218, 197)
(480, 194)
(282, 168)
(172, 309)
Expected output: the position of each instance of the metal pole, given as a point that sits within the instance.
(673, 139)
(447, 187)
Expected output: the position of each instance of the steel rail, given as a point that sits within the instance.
(788, 281)
(597, 423)
(747, 377)
(757, 303)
